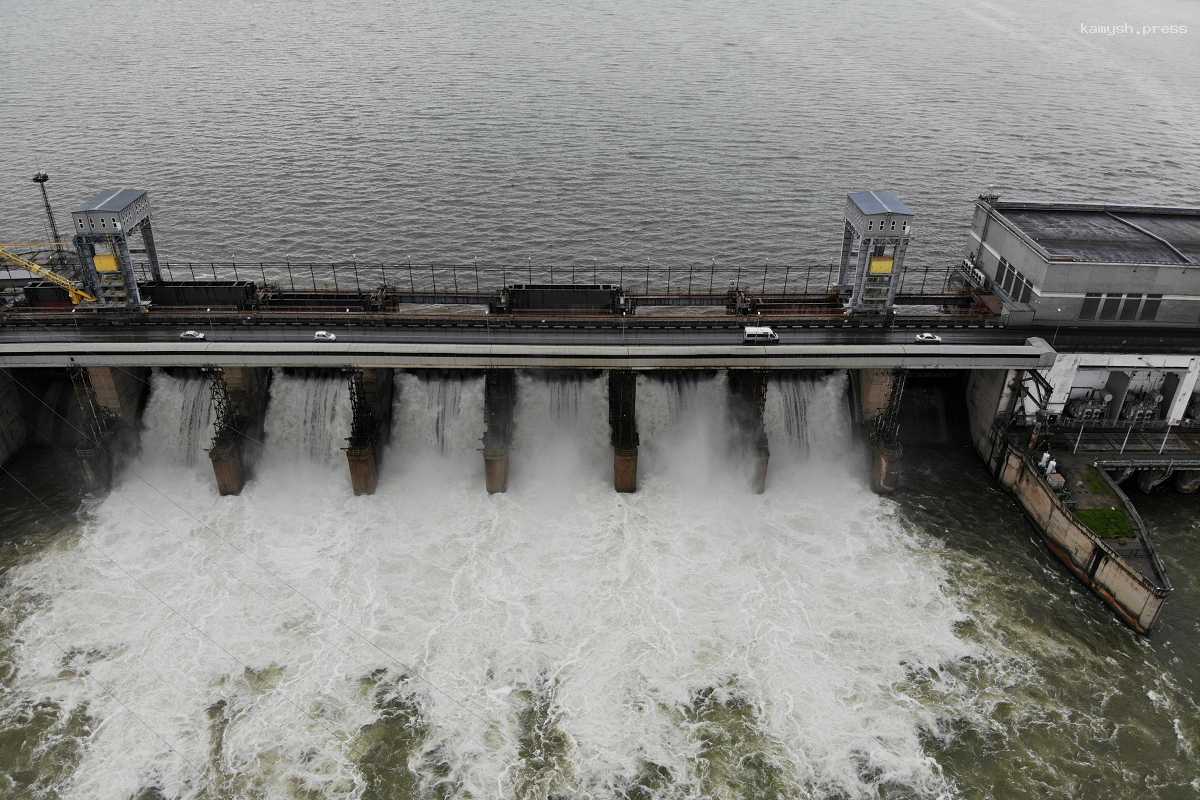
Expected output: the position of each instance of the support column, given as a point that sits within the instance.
(239, 404)
(108, 402)
(1187, 481)
(119, 391)
(151, 251)
(1183, 392)
(499, 400)
(1061, 377)
(748, 389)
(622, 420)
(1118, 386)
(1150, 479)
(878, 393)
(13, 430)
(370, 424)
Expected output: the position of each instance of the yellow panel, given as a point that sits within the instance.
(881, 265)
(105, 262)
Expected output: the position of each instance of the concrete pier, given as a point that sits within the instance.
(499, 401)
(120, 391)
(1187, 481)
(108, 402)
(748, 398)
(371, 415)
(13, 430)
(1150, 479)
(885, 469)
(622, 420)
(239, 404)
(877, 396)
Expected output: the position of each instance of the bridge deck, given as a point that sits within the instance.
(516, 354)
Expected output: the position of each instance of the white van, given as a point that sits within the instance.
(759, 335)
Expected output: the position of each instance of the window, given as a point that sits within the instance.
(1108, 309)
(1150, 307)
(870, 224)
(1091, 303)
(1026, 289)
(893, 224)
(1008, 277)
(1129, 308)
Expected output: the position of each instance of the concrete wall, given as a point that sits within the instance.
(1130, 594)
(13, 429)
(1134, 598)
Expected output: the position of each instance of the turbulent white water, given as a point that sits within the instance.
(557, 639)
(438, 413)
(308, 418)
(178, 426)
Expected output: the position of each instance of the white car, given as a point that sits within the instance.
(324, 336)
(928, 338)
(759, 335)
(192, 336)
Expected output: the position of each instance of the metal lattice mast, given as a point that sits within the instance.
(40, 179)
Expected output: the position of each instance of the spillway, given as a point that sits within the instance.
(692, 639)
(308, 418)
(178, 424)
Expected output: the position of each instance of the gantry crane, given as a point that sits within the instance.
(77, 294)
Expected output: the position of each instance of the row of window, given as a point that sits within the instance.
(92, 222)
(871, 225)
(1128, 307)
(1014, 284)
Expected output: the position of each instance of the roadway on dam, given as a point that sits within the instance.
(551, 334)
(502, 347)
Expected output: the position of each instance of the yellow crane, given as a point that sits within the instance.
(77, 294)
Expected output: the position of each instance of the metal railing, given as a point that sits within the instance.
(648, 278)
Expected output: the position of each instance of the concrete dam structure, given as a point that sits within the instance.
(1077, 384)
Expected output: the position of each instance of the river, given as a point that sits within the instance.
(689, 641)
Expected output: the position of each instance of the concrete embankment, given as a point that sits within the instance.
(1124, 571)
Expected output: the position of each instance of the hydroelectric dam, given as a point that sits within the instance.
(1075, 380)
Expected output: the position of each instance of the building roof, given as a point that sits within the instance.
(1109, 234)
(879, 203)
(110, 200)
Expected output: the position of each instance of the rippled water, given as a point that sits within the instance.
(676, 132)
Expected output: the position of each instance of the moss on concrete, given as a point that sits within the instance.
(1097, 504)
(1107, 523)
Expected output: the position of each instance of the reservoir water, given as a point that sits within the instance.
(691, 641)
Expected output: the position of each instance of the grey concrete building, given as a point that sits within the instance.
(1089, 263)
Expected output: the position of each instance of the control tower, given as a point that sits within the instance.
(102, 228)
(873, 245)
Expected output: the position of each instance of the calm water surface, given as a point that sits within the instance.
(575, 131)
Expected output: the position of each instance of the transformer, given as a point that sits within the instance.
(1093, 406)
(1141, 407)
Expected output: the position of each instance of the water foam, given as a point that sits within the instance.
(308, 418)
(177, 426)
(556, 639)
